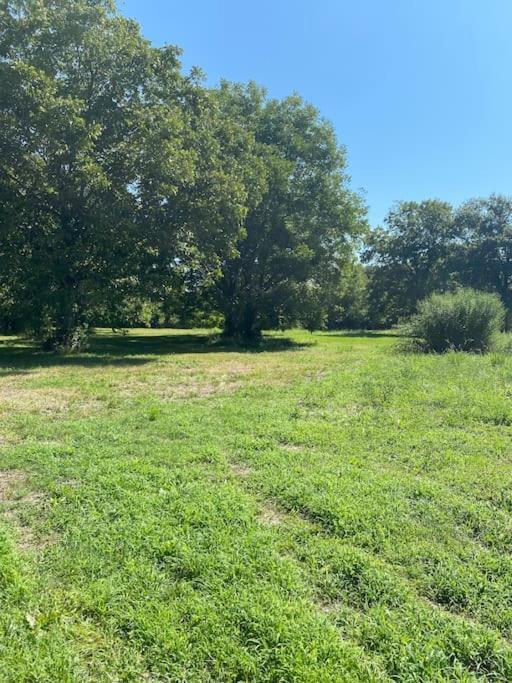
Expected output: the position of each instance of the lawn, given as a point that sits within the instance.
(321, 509)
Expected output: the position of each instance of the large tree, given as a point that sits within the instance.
(72, 82)
(113, 165)
(301, 219)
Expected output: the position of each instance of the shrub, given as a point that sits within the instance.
(465, 320)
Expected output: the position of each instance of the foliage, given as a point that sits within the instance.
(131, 194)
(465, 320)
(124, 180)
(313, 313)
(113, 165)
(483, 255)
(347, 300)
(300, 227)
(409, 258)
(70, 104)
(428, 247)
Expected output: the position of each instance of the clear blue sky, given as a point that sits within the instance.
(420, 91)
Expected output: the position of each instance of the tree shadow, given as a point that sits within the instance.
(172, 344)
(370, 334)
(20, 356)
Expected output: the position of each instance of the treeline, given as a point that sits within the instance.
(429, 247)
(131, 193)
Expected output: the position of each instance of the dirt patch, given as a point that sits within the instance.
(292, 447)
(270, 515)
(14, 506)
(329, 607)
(26, 539)
(240, 470)
(71, 483)
(9, 480)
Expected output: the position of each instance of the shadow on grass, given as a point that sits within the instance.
(369, 334)
(19, 356)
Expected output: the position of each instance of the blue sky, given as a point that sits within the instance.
(419, 91)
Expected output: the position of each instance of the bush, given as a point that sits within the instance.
(465, 320)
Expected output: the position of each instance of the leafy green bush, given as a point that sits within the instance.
(465, 320)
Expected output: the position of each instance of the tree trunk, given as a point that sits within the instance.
(242, 325)
(70, 336)
(230, 326)
(251, 330)
(70, 324)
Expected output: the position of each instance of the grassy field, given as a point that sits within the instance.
(324, 509)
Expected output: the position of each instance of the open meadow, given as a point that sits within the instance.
(322, 509)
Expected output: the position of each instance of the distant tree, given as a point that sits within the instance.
(347, 299)
(409, 258)
(313, 307)
(301, 217)
(484, 254)
(191, 229)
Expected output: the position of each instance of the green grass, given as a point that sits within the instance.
(324, 509)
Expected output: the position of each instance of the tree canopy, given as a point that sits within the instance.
(121, 176)
(300, 229)
(409, 257)
(484, 252)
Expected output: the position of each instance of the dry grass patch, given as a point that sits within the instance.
(240, 470)
(198, 389)
(15, 500)
(292, 447)
(47, 401)
(351, 410)
(171, 382)
(271, 516)
(330, 607)
(9, 480)
(52, 401)
(8, 439)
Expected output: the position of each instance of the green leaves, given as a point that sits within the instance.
(409, 259)
(123, 179)
(430, 247)
(298, 223)
(115, 169)
(71, 87)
